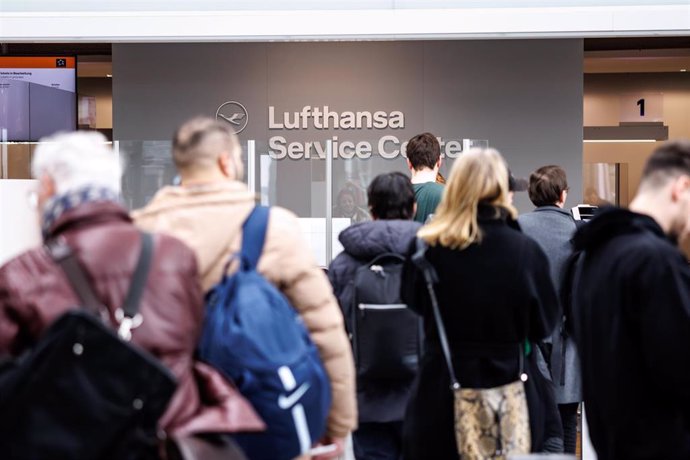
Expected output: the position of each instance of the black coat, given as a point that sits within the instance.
(493, 296)
(631, 309)
(363, 242)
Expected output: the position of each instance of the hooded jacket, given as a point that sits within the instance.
(209, 218)
(631, 309)
(363, 242)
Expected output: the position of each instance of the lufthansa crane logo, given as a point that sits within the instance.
(233, 113)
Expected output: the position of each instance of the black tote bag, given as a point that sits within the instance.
(83, 392)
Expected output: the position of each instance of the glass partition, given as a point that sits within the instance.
(605, 184)
(327, 190)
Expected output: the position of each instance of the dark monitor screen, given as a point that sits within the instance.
(37, 96)
(583, 212)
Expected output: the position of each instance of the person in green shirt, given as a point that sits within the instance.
(424, 161)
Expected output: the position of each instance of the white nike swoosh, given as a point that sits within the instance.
(285, 402)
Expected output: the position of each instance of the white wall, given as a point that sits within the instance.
(19, 229)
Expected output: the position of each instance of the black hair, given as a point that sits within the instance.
(671, 159)
(423, 151)
(391, 196)
(546, 185)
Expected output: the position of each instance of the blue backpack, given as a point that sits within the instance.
(254, 336)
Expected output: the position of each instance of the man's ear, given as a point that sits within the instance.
(409, 165)
(439, 162)
(225, 165)
(679, 187)
(46, 190)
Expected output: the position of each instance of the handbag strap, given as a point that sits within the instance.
(431, 277)
(127, 316)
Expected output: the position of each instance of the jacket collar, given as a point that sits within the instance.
(489, 214)
(59, 204)
(612, 222)
(175, 197)
(553, 208)
(367, 240)
(86, 214)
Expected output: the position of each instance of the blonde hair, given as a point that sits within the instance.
(478, 176)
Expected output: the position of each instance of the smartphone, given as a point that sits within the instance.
(321, 450)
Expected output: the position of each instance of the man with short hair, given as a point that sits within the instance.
(552, 227)
(77, 197)
(207, 212)
(381, 403)
(631, 308)
(424, 160)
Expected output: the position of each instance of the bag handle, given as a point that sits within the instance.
(431, 277)
(254, 236)
(128, 316)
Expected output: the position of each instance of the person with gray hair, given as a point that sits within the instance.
(207, 212)
(78, 203)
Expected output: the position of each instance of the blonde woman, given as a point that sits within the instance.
(494, 293)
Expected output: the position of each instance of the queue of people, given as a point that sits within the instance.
(448, 328)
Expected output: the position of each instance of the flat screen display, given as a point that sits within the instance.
(37, 96)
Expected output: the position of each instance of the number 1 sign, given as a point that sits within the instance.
(642, 107)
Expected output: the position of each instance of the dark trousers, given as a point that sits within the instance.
(569, 421)
(378, 441)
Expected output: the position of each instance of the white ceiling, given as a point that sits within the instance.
(130, 21)
(264, 5)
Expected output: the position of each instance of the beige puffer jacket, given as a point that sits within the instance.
(209, 219)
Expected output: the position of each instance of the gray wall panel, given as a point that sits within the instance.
(524, 96)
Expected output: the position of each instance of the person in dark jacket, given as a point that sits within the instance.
(553, 227)
(77, 196)
(631, 309)
(381, 405)
(494, 294)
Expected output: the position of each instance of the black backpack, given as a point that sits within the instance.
(386, 335)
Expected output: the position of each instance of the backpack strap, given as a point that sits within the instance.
(128, 316)
(254, 236)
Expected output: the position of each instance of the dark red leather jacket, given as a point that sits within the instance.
(34, 292)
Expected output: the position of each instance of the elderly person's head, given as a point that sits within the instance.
(478, 177)
(67, 163)
(207, 150)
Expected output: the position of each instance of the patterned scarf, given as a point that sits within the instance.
(59, 204)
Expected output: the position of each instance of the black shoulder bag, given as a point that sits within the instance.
(83, 392)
